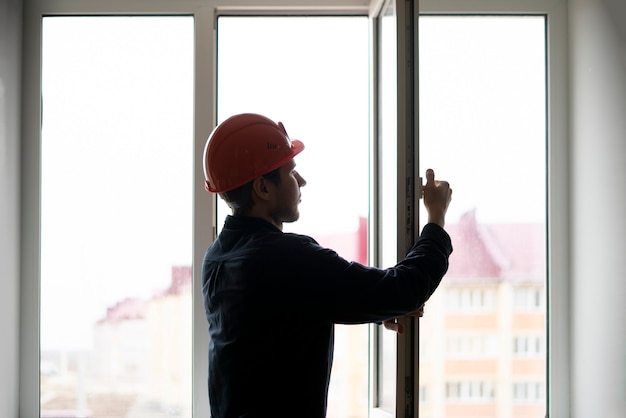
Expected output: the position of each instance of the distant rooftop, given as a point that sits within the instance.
(123, 310)
(496, 252)
(132, 308)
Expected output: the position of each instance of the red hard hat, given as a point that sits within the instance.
(244, 147)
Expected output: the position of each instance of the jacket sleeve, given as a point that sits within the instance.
(349, 292)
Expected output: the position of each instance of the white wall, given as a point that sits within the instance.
(10, 59)
(597, 31)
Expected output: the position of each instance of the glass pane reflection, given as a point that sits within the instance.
(389, 207)
(483, 128)
(117, 141)
(315, 80)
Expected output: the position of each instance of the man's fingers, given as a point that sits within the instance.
(393, 325)
(430, 177)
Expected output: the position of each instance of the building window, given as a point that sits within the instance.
(529, 298)
(471, 346)
(529, 346)
(470, 299)
(470, 391)
(528, 392)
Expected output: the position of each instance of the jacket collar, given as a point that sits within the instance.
(249, 222)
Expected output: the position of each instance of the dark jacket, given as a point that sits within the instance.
(272, 300)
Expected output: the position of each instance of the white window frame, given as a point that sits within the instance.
(204, 13)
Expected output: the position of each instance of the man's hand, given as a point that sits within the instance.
(437, 196)
(394, 325)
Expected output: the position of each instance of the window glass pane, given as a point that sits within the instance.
(117, 141)
(483, 128)
(311, 73)
(388, 114)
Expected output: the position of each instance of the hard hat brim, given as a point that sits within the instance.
(297, 147)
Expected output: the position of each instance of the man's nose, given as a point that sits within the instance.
(301, 180)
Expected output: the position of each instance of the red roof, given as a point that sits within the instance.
(126, 309)
(131, 308)
(181, 280)
(495, 252)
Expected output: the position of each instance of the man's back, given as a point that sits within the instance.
(265, 357)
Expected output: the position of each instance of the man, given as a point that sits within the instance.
(272, 298)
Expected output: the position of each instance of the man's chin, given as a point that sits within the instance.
(294, 217)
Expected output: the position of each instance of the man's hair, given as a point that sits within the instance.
(240, 199)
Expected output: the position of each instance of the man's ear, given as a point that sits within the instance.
(261, 188)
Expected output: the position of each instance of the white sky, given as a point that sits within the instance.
(118, 123)
(323, 102)
(116, 166)
(482, 88)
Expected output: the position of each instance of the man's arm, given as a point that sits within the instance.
(437, 196)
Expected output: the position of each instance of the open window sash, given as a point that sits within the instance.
(393, 362)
